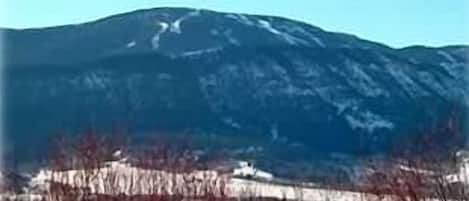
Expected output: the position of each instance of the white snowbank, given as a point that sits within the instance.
(136, 181)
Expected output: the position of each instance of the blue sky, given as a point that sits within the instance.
(397, 23)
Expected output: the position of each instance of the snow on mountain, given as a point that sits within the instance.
(131, 44)
(176, 25)
(155, 42)
(369, 122)
(163, 29)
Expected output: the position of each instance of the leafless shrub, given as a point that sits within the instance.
(418, 172)
(163, 172)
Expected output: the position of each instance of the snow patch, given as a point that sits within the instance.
(203, 51)
(383, 58)
(176, 25)
(451, 65)
(241, 19)
(293, 28)
(327, 94)
(268, 26)
(131, 44)
(406, 82)
(429, 80)
(210, 80)
(279, 70)
(361, 81)
(285, 36)
(307, 71)
(447, 56)
(274, 132)
(96, 81)
(155, 42)
(214, 32)
(231, 39)
(369, 122)
(292, 90)
(318, 41)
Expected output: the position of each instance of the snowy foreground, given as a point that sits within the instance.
(118, 177)
(136, 181)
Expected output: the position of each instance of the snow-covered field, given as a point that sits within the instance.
(122, 178)
(119, 177)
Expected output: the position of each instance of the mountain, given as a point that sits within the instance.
(256, 80)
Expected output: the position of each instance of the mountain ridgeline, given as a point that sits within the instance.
(240, 76)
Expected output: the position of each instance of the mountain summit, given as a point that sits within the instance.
(169, 31)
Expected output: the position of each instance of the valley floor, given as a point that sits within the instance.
(136, 182)
(243, 189)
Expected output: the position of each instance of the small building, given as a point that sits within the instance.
(247, 170)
